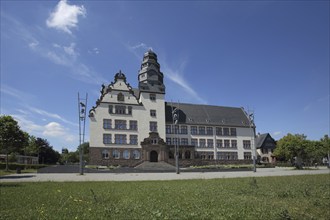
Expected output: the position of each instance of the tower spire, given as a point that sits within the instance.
(150, 77)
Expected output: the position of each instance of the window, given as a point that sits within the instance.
(136, 154)
(153, 113)
(233, 143)
(233, 131)
(154, 141)
(168, 141)
(116, 154)
(219, 143)
(129, 110)
(184, 129)
(227, 143)
(209, 143)
(193, 130)
(133, 139)
(227, 155)
(110, 109)
(175, 141)
(120, 97)
(133, 125)
(176, 129)
(106, 138)
(120, 124)
(152, 97)
(105, 154)
(209, 131)
(184, 141)
(246, 144)
(194, 142)
(126, 154)
(153, 126)
(226, 131)
(201, 130)
(107, 123)
(201, 142)
(218, 131)
(168, 129)
(120, 109)
(120, 139)
(247, 156)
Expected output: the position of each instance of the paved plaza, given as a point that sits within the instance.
(71, 177)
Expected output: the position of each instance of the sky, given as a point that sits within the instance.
(270, 57)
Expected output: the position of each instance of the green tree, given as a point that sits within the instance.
(290, 147)
(85, 148)
(12, 138)
(46, 153)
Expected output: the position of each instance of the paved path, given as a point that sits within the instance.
(70, 177)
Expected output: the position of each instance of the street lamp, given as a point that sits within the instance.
(82, 103)
(252, 129)
(175, 116)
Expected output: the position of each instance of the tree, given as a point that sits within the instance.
(325, 141)
(12, 138)
(292, 147)
(85, 148)
(46, 153)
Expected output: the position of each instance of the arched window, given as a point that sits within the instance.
(136, 154)
(116, 154)
(126, 154)
(105, 154)
(120, 97)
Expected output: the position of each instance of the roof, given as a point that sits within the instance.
(207, 115)
(265, 141)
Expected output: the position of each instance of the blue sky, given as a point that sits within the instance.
(271, 57)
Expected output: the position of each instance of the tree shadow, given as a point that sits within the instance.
(16, 177)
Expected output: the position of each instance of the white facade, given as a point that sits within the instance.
(124, 117)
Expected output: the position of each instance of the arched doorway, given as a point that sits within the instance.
(153, 156)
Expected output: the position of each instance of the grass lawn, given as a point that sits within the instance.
(293, 197)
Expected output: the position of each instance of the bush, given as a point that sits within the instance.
(14, 166)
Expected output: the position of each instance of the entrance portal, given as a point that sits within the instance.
(153, 156)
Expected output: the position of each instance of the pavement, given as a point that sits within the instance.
(147, 176)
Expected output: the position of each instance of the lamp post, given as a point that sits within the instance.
(252, 128)
(82, 103)
(175, 116)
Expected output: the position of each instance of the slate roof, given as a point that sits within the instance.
(261, 141)
(207, 115)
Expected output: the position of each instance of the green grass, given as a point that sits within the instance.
(293, 197)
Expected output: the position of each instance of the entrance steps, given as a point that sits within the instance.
(155, 166)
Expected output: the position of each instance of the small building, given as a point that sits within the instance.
(22, 159)
(265, 146)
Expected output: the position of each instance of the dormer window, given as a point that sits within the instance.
(120, 97)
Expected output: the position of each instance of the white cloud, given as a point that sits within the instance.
(70, 50)
(65, 16)
(277, 133)
(50, 115)
(177, 78)
(33, 44)
(54, 129)
(15, 93)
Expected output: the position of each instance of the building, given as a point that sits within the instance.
(131, 125)
(265, 146)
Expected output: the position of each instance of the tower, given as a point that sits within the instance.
(151, 79)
